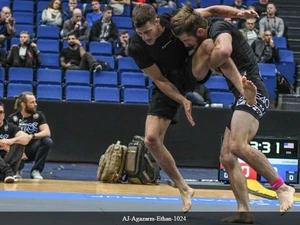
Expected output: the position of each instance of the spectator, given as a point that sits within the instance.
(7, 25)
(75, 57)
(239, 5)
(250, 33)
(12, 141)
(77, 26)
(261, 7)
(67, 14)
(26, 54)
(96, 14)
(265, 50)
(34, 123)
(52, 15)
(104, 29)
(200, 96)
(271, 22)
(120, 45)
(118, 6)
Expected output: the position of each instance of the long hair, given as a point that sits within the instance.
(187, 20)
(22, 98)
(50, 5)
(142, 14)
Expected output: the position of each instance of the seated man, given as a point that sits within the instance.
(7, 25)
(120, 45)
(34, 123)
(76, 25)
(12, 141)
(75, 57)
(96, 14)
(68, 13)
(26, 54)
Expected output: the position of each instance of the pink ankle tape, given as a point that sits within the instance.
(276, 183)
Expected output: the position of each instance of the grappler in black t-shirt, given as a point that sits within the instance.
(162, 56)
(219, 41)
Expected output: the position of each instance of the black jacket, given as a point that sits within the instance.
(259, 46)
(96, 30)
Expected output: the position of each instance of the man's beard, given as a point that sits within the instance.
(72, 44)
(29, 111)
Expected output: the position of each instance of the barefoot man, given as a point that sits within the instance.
(220, 41)
(161, 56)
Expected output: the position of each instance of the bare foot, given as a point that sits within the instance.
(250, 91)
(186, 200)
(240, 217)
(286, 197)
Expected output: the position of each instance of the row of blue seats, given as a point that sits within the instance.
(78, 93)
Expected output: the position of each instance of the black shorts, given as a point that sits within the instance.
(163, 106)
(258, 109)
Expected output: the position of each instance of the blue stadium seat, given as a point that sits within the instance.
(105, 78)
(4, 3)
(78, 93)
(127, 64)
(48, 45)
(225, 98)
(127, 10)
(23, 6)
(131, 32)
(100, 48)
(229, 2)
(106, 94)
(194, 3)
(20, 75)
(50, 60)
(41, 5)
(49, 92)
(280, 42)
(1, 90)
(217, 83)
(14, 41)
(23, 18)
(133, 79)
(2, 75)
(150, 83)
(109, 59)
(49, 76)
(16, 89)
(207, 3)
(47, 32)
(65, 44)
(23, 27)
(78, 77)
(161, 10)
(123, 22)
(250, 2)
(136, 95)
(268, 69)
(287, 64)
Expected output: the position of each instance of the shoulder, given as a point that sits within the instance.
(37, 115)
(14, 116)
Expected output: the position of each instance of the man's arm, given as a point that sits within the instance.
(44, 131)
(21, 138)
(168, 89)
(226, 11)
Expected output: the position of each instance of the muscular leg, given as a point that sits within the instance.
(243, 128)
(156, 128)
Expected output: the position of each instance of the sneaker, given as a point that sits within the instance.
(97, 68)
(9, 179)
(18, 174)
(35, 174)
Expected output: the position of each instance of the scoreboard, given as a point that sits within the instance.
(282, 153)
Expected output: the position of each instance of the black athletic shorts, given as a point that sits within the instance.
(163, 106)
(257, 110)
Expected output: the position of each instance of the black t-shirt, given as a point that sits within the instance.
(29, 125)
(242, 54)
(8, 130)
(70, 55)
(168, 53)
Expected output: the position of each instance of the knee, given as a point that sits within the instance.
(47, 141)
(226, 158)
(237, 148)
(152, 142)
